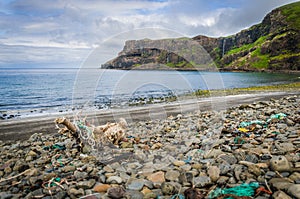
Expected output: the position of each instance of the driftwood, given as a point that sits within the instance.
(80, 129)
(69, 129)
(112, 132)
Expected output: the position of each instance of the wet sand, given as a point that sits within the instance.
(22, 128)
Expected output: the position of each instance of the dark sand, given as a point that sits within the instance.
(22, 128)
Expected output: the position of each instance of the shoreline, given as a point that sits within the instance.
(66, 110)
(253, 147)
(23, 128)
(206, 70)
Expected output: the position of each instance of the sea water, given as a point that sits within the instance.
(57, 90)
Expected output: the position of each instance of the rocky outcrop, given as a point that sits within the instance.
(161, 54)
(273, 44)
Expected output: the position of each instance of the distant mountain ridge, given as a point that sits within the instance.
(273, 44)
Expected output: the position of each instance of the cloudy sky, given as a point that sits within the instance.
(63, 33)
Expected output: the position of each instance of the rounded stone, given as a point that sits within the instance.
(280, 163)
(168, 188)
(294, 190)
(172, 175)
(179, 163)
(87, 184)
(158, 177)
(136, 185)
(101, 188)
(214, 173)
(280, 195)
(114, 179)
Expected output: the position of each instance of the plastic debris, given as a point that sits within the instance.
(83, 131)
(58, 146)
(239, 140)
(279, 116)
(177, 196)
(243, 130)
(246, 124)
(188, 160)
(262, 190)
(241, 190)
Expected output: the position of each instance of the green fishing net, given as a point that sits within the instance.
(241, 190)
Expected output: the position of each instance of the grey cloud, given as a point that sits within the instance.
(18, 55)
(70, 26)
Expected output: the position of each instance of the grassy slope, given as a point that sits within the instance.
(294, 87)
(256, 59)
(292, 14)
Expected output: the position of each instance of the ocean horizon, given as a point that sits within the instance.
(29, 91)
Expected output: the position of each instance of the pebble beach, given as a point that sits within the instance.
(246, 151)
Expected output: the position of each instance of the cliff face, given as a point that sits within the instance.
(273, 44)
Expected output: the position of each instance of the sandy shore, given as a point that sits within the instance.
(22, 128)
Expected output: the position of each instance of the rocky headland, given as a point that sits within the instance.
(247, 151)
(272, 45)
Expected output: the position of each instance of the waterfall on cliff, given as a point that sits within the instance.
(223, 49)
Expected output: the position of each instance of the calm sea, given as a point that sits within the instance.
(65, 89)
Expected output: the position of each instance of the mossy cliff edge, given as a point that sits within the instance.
(272, 45)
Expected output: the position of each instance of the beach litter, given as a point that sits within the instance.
(241, 190)
(82, 131)
(190, 156)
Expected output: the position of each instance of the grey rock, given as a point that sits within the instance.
(270, 174)
(254, 169)
(225, 168)
(116, 192)
(186, 167)
(67, 169)
(87, 184)
(80, 175)
(172, 175)
(186, 177)
(114, 179)
(251, 158)
(295, 176)
(125, 177)
(60, 195)
(76, 192)
(214, 153)
(108, 169)
(222, 180)
(34, 137)
(238, 170)
(214, 173)
(5, 195)
(280, 163)
(289, 122)
(150, 195)
(262, 197)
(280, 195)
(132, 194)
(285, 146)
(280, 183)
(294, 190)
(281, 126)
(92, 196)
(228, 158)
(169, 188)
(285, 174)
(202, 181)
(136, 184)
(20, 166)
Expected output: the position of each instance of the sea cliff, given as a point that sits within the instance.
(273, 45)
